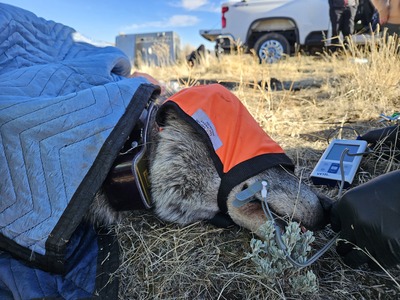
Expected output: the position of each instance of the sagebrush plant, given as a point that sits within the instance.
(271, 261)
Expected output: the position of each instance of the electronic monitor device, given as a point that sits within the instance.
(328, 171)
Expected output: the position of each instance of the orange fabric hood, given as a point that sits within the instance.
(239, 147)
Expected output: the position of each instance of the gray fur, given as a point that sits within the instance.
(185, 183)
(100, 211)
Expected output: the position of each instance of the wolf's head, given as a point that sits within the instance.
(186, 182)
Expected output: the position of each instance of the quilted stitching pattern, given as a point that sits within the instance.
(60, 101)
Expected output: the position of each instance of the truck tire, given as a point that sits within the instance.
(271, 47)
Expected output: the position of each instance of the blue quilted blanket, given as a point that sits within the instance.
(66, 109)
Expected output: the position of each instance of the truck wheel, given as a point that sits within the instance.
(271, 47)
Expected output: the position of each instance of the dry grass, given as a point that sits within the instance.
(166, 261)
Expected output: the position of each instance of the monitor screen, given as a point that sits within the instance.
(337, 150)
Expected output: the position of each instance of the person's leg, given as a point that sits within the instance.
(335, 15)
(348, 20)
(347, 23)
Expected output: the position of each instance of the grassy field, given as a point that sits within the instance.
(299, 102)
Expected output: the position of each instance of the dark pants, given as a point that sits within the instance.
(342, 20)
(392, 29)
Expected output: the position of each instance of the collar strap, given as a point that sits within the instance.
(127, 186)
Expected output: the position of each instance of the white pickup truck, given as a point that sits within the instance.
(274, 28)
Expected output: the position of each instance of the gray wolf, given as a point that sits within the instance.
(185, 181)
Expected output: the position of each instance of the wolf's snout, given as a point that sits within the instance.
(287, 198)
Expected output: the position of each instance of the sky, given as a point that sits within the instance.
(103, 20)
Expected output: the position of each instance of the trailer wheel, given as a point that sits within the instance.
(271, 47)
